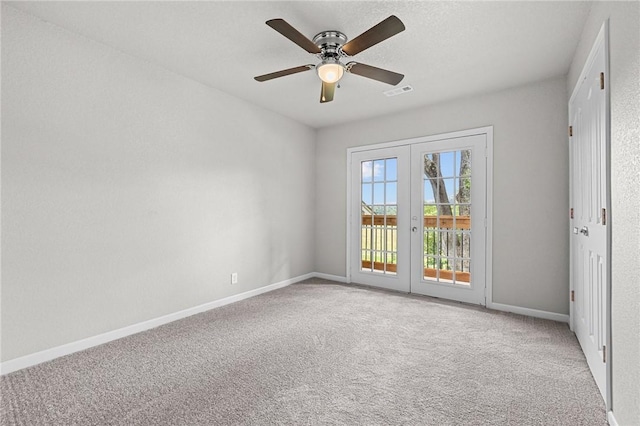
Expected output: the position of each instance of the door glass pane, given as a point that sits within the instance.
(379, 227)
(392, 169)
(391, 194)
(367, 170)
(446, 194)
(378, 171)
(429, 192)
(378, 193)
(367, 193)
(447, 164)
(447, 217)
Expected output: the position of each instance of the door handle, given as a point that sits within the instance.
(585, 231)
(414, 229)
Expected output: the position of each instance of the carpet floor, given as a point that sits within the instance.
(319, 353)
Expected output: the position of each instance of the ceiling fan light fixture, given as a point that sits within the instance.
(330, 70)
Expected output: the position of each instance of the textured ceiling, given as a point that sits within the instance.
(449, 49)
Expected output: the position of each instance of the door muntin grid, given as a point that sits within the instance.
(378, 216)
(446, 227)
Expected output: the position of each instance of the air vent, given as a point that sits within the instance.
(398, 90)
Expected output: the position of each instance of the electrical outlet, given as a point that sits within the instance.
(234, 278)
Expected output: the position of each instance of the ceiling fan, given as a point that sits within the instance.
(331, 46)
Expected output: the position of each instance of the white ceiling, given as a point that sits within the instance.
(449, 49)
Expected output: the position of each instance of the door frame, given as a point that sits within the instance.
(601, 41)
(488, 132)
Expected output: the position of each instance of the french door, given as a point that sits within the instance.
(418, 218)
(380, 235)
(448, 213)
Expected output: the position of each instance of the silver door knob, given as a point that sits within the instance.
(414, 229)
(585, 231)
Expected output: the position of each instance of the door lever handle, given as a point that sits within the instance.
(585, 231)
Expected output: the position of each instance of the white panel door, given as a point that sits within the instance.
(448, 218)
(589, 200)
(379, 240)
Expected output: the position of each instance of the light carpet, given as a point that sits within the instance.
(319, 353)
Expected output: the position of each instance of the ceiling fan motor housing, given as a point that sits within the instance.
(330, 43)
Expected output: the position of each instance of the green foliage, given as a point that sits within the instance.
(432, 209)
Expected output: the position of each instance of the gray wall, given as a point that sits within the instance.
(130, 192)
(531, 184)
(625, 194)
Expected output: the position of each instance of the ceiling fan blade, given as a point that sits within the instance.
(328, 90)
(374, 35)
(281, 26)
(374, 73)
(282, 73)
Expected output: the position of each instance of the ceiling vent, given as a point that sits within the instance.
(398, 91)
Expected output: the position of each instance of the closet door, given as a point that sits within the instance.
(590, 226)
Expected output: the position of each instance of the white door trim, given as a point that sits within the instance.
(488, 131)
(601, 41)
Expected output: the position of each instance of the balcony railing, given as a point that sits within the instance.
(379, 243)
(446, 222)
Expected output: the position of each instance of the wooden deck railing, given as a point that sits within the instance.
(446, 223)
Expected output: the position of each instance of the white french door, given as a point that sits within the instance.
(448, 212)
(589, 205)
(418, 217)
(380, 218)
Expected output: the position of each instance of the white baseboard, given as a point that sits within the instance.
(330, 277)
(611, 419)
(79, 345)
(529, 312)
